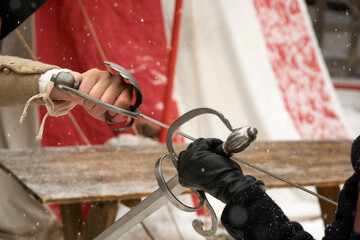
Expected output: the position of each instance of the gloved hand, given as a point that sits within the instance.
(201, 167)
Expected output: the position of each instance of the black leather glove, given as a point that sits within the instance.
(201, 167)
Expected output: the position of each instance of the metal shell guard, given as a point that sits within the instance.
(138, 95)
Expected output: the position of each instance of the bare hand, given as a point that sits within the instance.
(104, 86)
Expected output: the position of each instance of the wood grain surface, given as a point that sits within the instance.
(105, 173)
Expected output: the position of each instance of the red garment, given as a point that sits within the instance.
(131, 34)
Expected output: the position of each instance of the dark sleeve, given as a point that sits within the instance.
(252, 214)
(343, 225)
(13, 13)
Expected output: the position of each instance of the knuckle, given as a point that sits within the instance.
(93, 71)
(88, 105)
(97, 110)
(107, 99)
(124, 102)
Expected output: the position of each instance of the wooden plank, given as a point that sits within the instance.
(94, 173)
(328, 210)
(101, 215)
(106, 173)
(72, 221)
(320, 163)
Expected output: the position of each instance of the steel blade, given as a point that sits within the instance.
(137, 214)
(139, 114)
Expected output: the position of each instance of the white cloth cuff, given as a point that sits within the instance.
(44, 79)
(54, 108)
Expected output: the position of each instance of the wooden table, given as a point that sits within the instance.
(103, 175)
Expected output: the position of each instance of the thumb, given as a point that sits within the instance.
(213, 142)
(216, 146)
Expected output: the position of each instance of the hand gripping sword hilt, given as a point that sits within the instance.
(238, 140)
(138, 94)
(65, 82)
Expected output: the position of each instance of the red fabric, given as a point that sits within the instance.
(295, 64)
(202, 211)
(132, 35)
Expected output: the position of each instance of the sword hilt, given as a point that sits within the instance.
(64, 79)
(66, 82)
(238, 141)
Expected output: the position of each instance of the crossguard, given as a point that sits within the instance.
(238, 140)
(138, 95)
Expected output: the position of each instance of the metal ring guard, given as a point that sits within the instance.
(197, 224)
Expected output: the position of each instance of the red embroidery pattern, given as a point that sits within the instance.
(293, 59)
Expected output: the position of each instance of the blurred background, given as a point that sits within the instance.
(289, 68)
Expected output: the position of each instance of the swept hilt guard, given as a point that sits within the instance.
(66, 82)
(138, 95)
(244, 135)
(128, 76)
